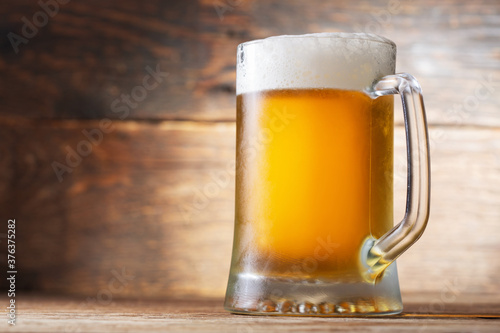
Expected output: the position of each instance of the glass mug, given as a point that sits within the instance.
(314, 228)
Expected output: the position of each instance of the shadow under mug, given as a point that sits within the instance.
(314, 228)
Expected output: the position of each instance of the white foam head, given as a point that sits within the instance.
(350, 61)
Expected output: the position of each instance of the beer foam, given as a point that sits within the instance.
(350, 61)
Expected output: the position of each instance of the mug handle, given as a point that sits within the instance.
(383, 251)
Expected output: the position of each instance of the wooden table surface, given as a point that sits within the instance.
(39, 313)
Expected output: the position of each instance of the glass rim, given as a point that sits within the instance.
(332, 35)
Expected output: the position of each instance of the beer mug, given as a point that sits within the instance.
(314, 228)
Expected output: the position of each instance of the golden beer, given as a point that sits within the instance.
(314, 179)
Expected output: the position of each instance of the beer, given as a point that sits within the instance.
(314, 180)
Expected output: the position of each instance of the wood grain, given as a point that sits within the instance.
(91, 53)
(50, 314)
(157, 199)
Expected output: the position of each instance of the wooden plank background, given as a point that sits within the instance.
(135, 206)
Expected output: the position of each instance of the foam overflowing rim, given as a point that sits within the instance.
(336, 35)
